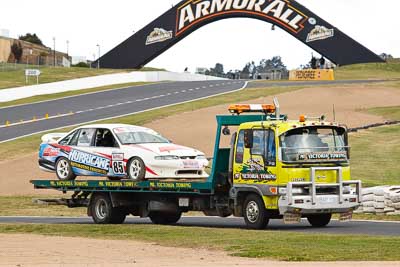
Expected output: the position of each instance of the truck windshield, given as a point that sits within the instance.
(314, 144)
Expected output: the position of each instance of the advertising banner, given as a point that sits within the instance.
(311, 75)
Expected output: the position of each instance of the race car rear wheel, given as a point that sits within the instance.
(136, 169)
(64, 170)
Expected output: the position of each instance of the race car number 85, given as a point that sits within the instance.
(118, 167)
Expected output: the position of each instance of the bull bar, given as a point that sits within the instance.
(312, 203)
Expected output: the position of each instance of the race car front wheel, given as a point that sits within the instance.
(64, 170)
(136, 169)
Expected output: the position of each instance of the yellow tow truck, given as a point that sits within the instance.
(300, 168)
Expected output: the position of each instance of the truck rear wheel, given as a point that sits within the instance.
(255, 214)
(158, 217)
(319, 220)
(103, 212)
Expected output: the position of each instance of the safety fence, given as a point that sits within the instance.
(5, 67)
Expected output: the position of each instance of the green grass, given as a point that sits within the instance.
(16, 78)
(68, 93)
(390, 70)
(279, 245)
(391, 113)
(24, 206)
(376, 152)
(375, 156)
(22, 146)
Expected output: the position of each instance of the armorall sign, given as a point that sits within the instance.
(190, 15)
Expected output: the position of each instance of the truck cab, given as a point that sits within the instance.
(280, 168)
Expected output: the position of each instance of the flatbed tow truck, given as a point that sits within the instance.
(274, 168)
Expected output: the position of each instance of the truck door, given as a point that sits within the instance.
(255, 162)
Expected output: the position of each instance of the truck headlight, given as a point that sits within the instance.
(168, 157)
(295, 191)
(298, 190)
(346, 189)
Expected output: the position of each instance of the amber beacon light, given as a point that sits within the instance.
(243, 108)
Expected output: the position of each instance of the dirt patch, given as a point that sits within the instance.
(197, 128)
(71, 251)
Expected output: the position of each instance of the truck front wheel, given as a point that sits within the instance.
(164, 218)
(103, 212)
(319, 220)
(255, 214)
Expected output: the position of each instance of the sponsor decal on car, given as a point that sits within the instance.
(158, 35)
(191, 164)
(89, 162)
(117, 156)
(320, 33)
(51, 152)
(279, 11)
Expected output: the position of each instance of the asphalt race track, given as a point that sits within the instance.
(107, 104)
(119, 102)
(335, 227)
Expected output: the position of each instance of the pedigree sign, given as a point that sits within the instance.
(312, 75)
(279, 11)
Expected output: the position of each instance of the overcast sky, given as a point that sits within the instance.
(232, 42)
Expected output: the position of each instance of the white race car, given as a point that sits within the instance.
(118, 151)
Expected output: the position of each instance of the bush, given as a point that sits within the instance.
(81, 65)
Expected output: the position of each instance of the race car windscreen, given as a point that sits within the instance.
(127, 137)
(314, 144)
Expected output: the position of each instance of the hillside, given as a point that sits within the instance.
(11, 76)
(382, 71)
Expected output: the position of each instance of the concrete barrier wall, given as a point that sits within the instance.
(98, 81)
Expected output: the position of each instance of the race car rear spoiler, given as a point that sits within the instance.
(52, 137)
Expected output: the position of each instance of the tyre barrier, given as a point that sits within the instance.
(380, 200)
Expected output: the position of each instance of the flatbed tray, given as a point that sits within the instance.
(197, 187)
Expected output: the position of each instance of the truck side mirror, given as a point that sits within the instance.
(248, 138)
(226, 131)
(346, 142)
